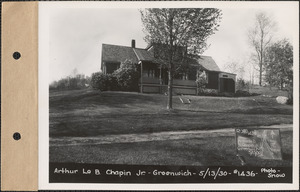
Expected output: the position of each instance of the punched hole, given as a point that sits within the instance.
(17, 136)
(16, 55)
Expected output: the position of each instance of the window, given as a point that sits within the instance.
(150, 73)
(111, 67)
(185, 76)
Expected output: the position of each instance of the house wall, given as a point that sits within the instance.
(184, 90)
(227, 76)
(110, 67)
(150, 80)
(153, 85)
(227, 85)
(227, 82)
(213, 80)
(151, 88)
(177, 90)
(180, 82)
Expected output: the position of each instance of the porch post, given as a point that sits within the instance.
(141, 76)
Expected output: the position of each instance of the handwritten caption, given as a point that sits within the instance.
(203, 174)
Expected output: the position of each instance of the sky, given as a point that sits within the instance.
(76, 36)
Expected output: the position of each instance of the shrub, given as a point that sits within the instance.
(100, 81)
(127, 76)
(210, 92)
(290, 95)
(241, 93)
(201, 82)
(112, 83)
(242, 85)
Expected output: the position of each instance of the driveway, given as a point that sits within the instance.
(159, 136)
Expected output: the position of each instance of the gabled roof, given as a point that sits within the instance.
(144, 55)
(117, 53)
(208, 63)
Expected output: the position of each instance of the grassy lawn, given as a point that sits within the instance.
(210, 151)
(269, 91)
(85, 113)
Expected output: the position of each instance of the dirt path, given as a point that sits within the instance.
(160, 136)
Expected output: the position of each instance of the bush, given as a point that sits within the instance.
(240, 93)
(112, 83)
(100, 81)
(127, 76)
(290, 95)
(201, 82)
(242, 85)
(210, 92)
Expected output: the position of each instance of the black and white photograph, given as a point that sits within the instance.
(147, 93)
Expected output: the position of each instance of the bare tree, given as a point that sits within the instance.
(237, 67)
(74, 72)
(260, 38)
(251, 71)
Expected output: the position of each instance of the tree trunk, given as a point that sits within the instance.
(261, 57)
(170, 89)
(260, 73)
(170, 83)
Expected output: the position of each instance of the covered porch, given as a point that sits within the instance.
(154, 79)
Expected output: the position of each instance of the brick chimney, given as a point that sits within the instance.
(133, 43)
